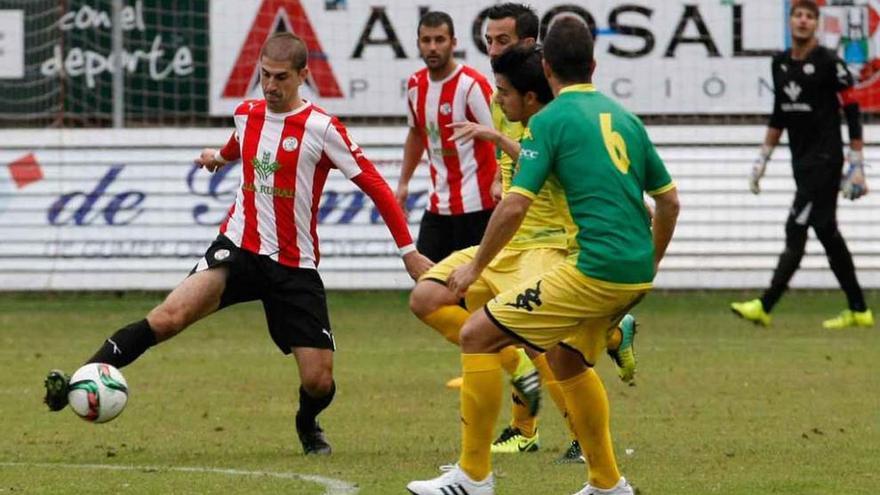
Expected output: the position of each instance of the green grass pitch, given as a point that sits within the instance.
(720, 406)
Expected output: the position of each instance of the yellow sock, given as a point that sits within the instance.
(448, 321)
(480, 404)
(550, 384)
(521, 418)
(588, 411)
(510, 357)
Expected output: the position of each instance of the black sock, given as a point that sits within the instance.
(310, 407)
(126, 345)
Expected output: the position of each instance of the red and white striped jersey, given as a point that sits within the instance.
(285, 161)
(462, 172)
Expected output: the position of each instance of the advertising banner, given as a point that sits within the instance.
(670, 57)
(115, 210)
(67, 52)
(141, 217)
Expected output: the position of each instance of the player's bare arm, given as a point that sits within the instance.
(665, 217)
(413, 149)
(416, 264)
(466, 131)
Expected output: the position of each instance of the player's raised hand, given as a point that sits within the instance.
(461, 278)
(416, 264)
(208, 161)
(466, 131)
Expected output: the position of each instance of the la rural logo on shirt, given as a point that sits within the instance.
(264, 167)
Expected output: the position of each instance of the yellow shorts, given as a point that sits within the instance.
(565, 307)
(510, 268)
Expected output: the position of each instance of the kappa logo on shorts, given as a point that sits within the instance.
(527, 298)
(221, 254)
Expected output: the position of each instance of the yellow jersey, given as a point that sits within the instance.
(547, 223)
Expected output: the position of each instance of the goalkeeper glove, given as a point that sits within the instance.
(853, 185)
(758, 168)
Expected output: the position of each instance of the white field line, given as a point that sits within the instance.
(334, 486)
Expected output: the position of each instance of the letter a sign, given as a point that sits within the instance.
(269, 18)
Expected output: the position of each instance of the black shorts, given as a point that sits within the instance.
(293, 299)
(440, 235)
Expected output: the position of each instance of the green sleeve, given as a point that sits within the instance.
(535, 158)
(657, 179)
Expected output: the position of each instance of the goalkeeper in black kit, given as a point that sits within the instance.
(811, 85)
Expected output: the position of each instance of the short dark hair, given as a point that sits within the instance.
(521, 65)
(435, 18)
(568, 50)
(524, 17)
(287, 47)
(810, 5)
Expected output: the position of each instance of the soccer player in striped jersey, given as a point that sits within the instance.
(445, 91)
(267, 249)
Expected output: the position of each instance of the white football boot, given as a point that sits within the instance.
(621, 488)
(453, 482)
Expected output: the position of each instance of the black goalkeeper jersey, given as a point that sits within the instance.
(808, 107)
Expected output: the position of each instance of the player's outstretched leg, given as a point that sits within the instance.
(126, 345)
(624, 354)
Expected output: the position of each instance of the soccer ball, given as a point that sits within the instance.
(97, 392)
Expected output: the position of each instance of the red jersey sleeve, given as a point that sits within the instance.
(349, 158)
(232, 150)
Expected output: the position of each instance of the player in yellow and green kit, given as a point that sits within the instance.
(542, 241)
(602, 159)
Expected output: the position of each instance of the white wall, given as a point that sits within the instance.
(156, 229)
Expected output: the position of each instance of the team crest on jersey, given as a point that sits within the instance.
(263, 167)
(809, 69)
(793, 90)
(527, 134)
(445, 109)
(432, 131)
(290, 143)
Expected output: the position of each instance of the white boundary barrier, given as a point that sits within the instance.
(124, 209)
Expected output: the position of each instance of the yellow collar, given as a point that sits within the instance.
(580, 88)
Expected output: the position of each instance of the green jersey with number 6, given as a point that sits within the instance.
(601, 155)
